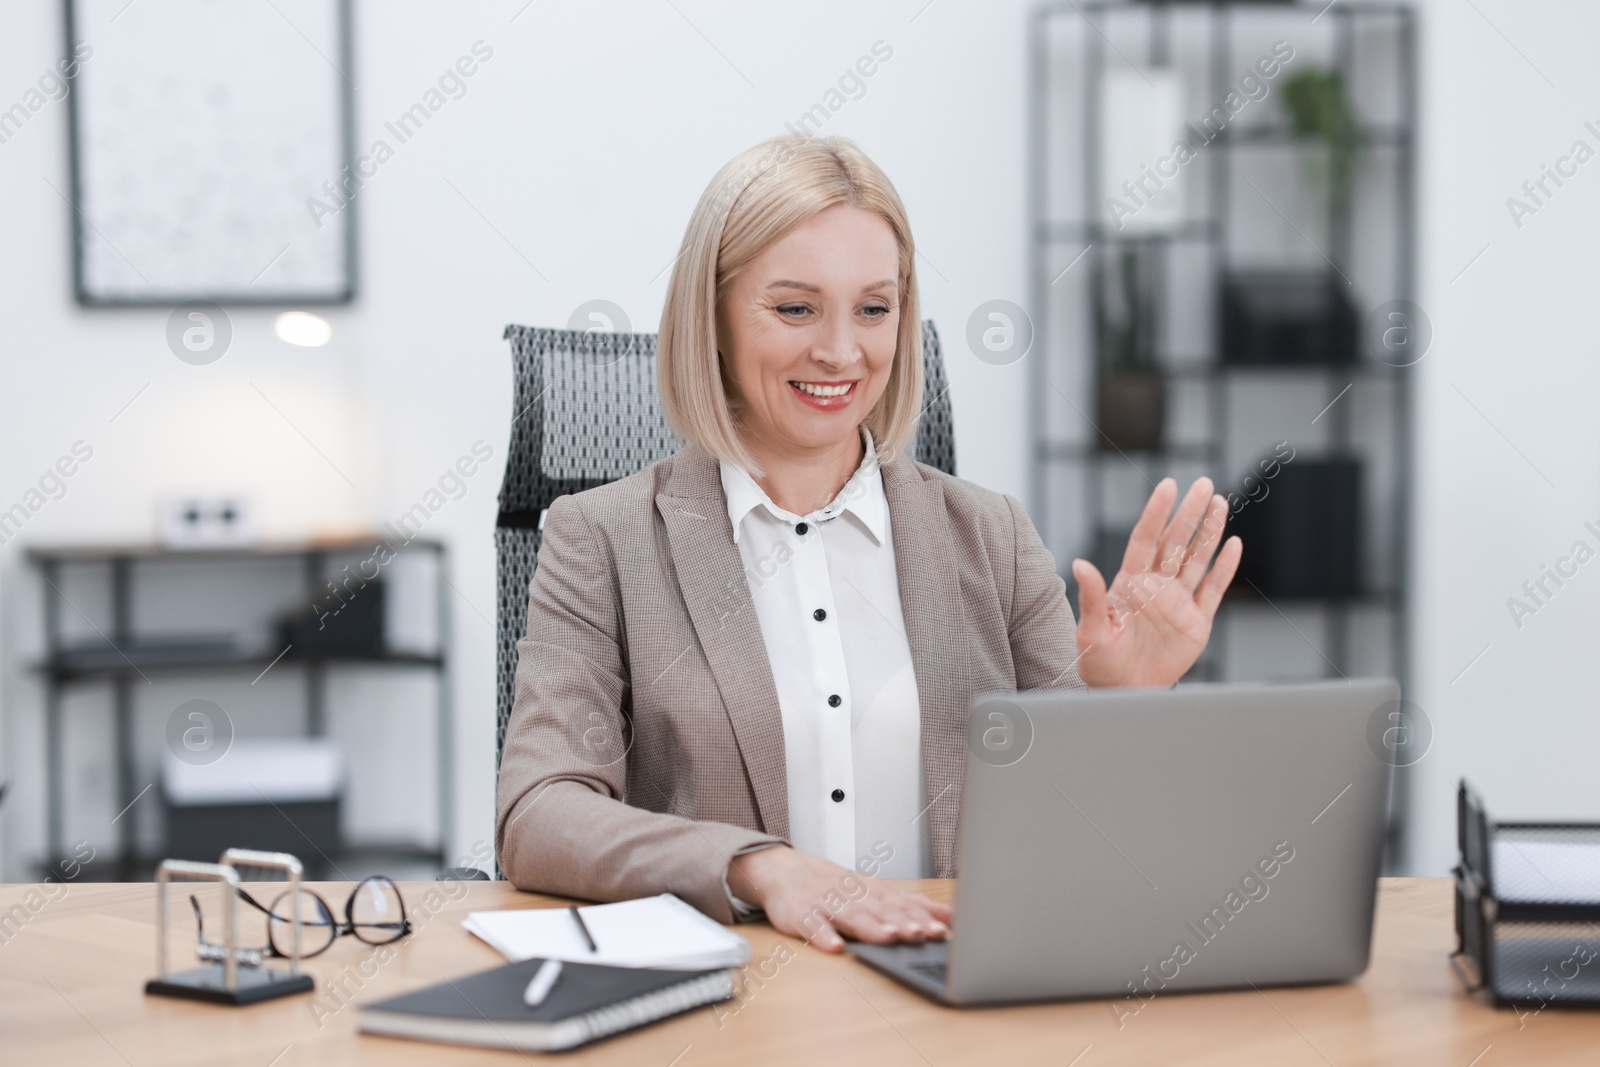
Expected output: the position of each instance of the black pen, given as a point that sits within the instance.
(583, 929)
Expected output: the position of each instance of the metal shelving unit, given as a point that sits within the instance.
(124, 657)
(1074, 246)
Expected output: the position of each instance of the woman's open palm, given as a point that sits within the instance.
(1153, 622)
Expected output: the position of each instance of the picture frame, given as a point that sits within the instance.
(228, 177)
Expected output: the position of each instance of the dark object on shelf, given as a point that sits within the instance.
(203, 832)
(350, 624)
(1132, 407)
(1287, 317)
(1527, 909)
(268, 794)
(1130, 391)
(1302, 536)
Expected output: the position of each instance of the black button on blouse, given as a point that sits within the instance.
(834, 701)
(838, 796)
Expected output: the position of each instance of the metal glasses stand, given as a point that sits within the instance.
(224, 982)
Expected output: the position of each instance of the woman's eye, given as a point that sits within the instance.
(876, 311)
(792, 309)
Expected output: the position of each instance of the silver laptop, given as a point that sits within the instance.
(1138, 842)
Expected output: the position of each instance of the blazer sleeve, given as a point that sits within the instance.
(562, 825)
(1043, 633)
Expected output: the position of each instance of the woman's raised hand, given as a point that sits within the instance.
(1153, 622)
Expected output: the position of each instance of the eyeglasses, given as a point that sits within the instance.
(375, 913)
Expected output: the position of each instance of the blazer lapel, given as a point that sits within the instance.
(712, 580)
(930, 597)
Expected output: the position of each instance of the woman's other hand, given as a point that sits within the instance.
(1153, 622)
(809, 897)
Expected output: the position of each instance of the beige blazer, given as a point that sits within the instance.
(645, 746)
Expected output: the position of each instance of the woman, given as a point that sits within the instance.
(748, 667)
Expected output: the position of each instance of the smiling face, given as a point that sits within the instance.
(807, 334)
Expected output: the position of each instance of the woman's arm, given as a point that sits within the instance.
(563, 826)
(1044, 640)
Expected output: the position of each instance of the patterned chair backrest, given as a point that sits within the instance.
(586, 413)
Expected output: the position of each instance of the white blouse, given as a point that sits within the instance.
(827, 597)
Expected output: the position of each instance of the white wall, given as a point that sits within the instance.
(1508, 449)
(584, 143)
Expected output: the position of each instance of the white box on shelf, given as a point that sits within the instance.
(198, 520)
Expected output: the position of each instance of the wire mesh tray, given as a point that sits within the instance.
(1527, 908)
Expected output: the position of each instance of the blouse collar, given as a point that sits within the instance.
(862, 496)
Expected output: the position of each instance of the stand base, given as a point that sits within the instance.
(253, 986)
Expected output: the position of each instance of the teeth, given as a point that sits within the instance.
(822, 390)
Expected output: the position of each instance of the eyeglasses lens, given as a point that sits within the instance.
(317, 927)
(376, 912)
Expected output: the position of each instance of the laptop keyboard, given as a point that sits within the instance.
(933, 969)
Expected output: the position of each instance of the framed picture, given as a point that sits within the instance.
(211, 152)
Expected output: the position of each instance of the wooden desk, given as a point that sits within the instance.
(72, 976)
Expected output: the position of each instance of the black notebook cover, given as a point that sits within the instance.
(588, 1001)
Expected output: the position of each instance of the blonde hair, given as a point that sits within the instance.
(754, 200)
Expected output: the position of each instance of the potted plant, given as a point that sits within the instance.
(1324, 119)
(1130, 390)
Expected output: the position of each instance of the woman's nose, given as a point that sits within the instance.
(837, 348)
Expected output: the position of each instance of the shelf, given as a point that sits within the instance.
(1070, 450)
(103, 661)
(1361, 368)
(1069, 8)
(1055, 232)
(1244, 596)
(1376, 136)
(144, 550)
(354, 861)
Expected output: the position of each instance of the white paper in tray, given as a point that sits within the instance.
(1556, 872)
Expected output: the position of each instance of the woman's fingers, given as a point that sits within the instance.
(824, 937)
(796, 889)
(922, 917)
(1206, 542)
(1140, 555)
(1091, 601)
(1173, 552)
(888, 916)
(888, 927)
(1209, 595)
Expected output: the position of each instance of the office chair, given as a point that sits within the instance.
(586, 413)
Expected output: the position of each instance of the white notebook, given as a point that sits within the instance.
(658, 931)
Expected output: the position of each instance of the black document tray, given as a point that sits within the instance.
(1527, 909)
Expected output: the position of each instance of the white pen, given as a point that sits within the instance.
(543, 980)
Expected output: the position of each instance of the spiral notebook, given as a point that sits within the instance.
(660, 931)
(588, 1002)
